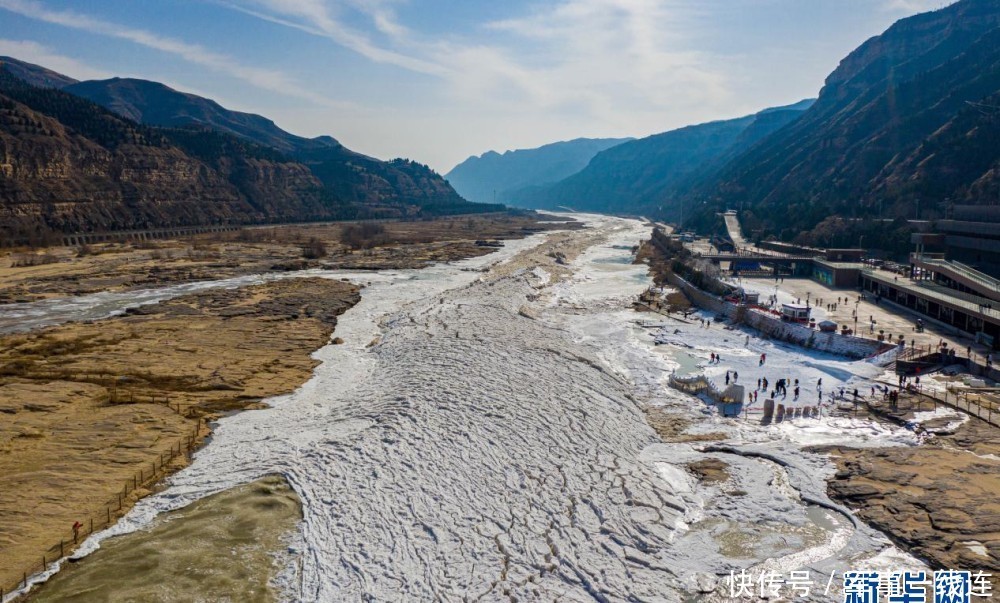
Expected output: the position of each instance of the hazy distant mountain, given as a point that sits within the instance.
(35, 74)
(155, 104)
(495, 175)
(641, 176)
(912, 115)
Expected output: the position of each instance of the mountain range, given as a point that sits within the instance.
(124, 153)
(494, 176)
(156, 104)
(643, 176)
(907, 125)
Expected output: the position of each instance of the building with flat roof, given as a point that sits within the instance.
(795, 312)
(930, 295)
(836, 274)
(971, 235)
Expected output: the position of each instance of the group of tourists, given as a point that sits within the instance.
(780, 388)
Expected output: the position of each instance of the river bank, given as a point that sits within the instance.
(33, 275)
(937, 500)
(93, 411)
(101, 410)
(501, 427)
(930, 492)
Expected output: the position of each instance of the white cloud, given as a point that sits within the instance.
(33, 52)
(319, 18)
(605, 53)
(266, 79)
(556, 69)
(612, 60)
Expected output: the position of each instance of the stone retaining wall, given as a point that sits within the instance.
(834, 343)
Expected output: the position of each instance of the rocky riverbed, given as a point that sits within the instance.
(937, 500)
(87, 406)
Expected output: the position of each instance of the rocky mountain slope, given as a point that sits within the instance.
(68, 164)
(156, 104)
(910, 119)
(495, 176)
(646, 175)
(35, 75)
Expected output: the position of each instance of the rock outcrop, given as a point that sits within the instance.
(70, 165)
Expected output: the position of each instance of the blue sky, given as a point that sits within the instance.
(439, 80)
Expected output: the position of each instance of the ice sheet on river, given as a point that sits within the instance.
(491, 460)
(455, 449)
(470, 452)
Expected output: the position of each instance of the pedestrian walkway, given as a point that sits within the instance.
(892, 320)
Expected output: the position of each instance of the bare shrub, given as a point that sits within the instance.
(363, 236)
(314, 249)
(23, 260)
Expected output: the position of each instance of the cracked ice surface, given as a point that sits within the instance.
(494, 459)
(453, 448)
(471, 453)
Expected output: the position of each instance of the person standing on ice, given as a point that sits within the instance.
(727, 377)
(736, 376)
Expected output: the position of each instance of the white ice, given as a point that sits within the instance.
(454, 449)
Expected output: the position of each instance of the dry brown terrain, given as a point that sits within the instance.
(29, 275)
(938, 500)
(79, 420)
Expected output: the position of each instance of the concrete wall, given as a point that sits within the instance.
(834, 343)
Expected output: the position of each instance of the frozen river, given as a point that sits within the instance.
(481, 436)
